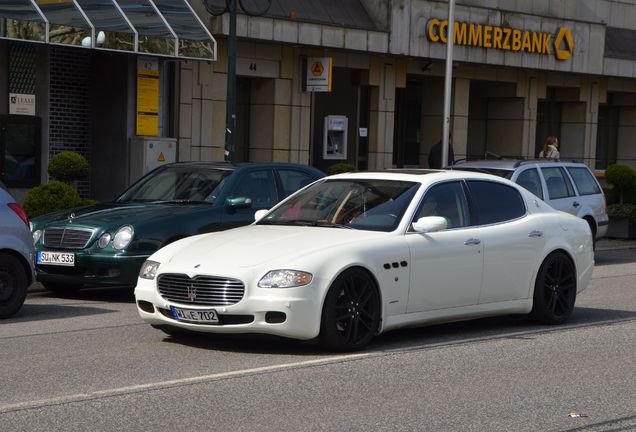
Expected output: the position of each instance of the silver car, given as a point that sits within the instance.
(567, 186)
(16, 255)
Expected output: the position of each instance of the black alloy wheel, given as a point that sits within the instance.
(554, 290)
(351, 312)
(13, 285)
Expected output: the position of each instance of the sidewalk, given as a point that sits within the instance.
(615, 244)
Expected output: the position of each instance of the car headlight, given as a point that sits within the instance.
(103, 241)
(285, 279)
(148, 269)
(123, 236)
(36, 236)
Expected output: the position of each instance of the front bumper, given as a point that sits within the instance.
(94, 270)
(301, 308)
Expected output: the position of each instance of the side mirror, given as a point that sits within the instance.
(238, 203)
(430, 224)
(258, 215)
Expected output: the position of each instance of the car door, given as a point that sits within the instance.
(255, 190)
(446, 266)
(511, 238)
(560, 193)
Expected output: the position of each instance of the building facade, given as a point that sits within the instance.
(522, 71)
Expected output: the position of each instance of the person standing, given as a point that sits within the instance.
(435, 156)
(550, 148)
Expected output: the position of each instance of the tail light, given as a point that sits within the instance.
(20, 212)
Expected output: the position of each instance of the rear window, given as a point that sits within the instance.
(495, 202)
(584, 181)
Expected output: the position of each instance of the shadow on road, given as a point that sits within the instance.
(614, 256)
(515, 327)
(45, 312)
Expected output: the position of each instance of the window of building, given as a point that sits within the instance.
(20, 150)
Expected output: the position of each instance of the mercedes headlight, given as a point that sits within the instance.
(148, 269)
(36, 236)
(285, 279)
(103, 241)
(123, 236)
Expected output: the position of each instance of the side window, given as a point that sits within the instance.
(584, 181)
(558, 183)
(495, 202)
(259, 187)
(448, 201)
(530, 180)
(292, 180)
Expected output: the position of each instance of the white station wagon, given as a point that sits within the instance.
(354, 255)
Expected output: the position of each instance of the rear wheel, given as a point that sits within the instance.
(554, 290)
(62, 288)
(592, 225)
(351, 313)
(13, 285)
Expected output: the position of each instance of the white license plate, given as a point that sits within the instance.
(195, 315)
(56, 258)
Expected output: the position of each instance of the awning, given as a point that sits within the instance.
(158, 27)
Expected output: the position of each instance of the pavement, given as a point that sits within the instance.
(615, 244)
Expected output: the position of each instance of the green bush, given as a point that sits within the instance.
(51, 197)
(341, 167)
(619, 211)
(622, 178)
(68, 166)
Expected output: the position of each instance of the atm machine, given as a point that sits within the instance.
(335, 137)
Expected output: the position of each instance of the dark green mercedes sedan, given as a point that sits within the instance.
(105, 244)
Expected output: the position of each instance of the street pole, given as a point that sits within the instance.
(448, 81)
(230, 115)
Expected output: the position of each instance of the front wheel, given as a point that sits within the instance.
(13, 285)
(554, 290)
(351, 313)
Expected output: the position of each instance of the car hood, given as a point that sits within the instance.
(255, 245)
(114, 214)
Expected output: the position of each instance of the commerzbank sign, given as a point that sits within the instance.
(559, 44)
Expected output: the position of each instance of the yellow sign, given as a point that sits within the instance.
(317, 69)
(503, 38)
(148, 99)
(161, 157)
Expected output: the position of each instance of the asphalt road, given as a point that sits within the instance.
(88, 363)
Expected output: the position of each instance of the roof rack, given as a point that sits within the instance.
(540, 160)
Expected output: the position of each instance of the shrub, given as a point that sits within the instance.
(622, 178)
(620, 211)
(341, 167)
(68, 166)
(51, 197)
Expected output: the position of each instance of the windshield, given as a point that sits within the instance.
(178, 184)
(376, 205)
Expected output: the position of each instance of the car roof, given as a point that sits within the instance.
(511, 164)
(418, 175)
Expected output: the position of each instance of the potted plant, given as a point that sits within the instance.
(622, 214)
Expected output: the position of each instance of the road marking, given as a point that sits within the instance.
(121, 391)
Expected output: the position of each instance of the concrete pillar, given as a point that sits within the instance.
(459, 117)
(382, 75)
(432, 115)
(300, 127)
(528, 89)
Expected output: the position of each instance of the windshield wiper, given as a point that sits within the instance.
(181, 201)
(305, 222)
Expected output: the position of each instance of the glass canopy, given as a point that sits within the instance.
(159, 27)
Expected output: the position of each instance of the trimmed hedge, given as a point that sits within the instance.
(623, 179)
(51, 197)
(68, 166)
(341, 167)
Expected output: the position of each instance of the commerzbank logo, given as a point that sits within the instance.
(561, 44)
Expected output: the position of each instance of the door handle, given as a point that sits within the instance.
(575, 204)
(472, 241)
(535, 233)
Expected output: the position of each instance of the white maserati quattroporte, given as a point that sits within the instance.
(354, 255)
